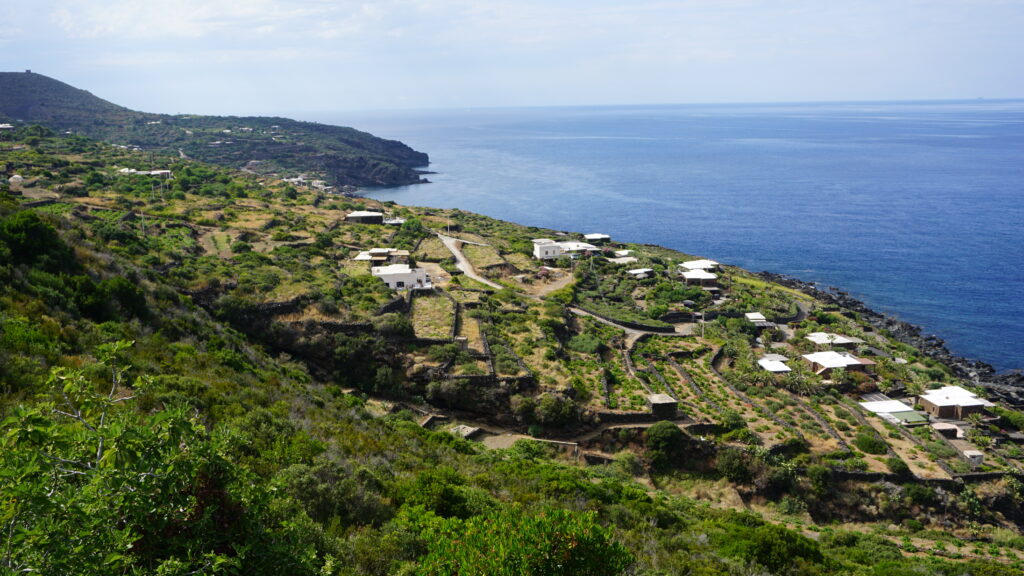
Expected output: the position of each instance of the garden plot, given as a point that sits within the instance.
(431, 249)
(482, 256)
(432, 316)
(757, 417)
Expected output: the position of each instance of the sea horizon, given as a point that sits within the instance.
(909, 206)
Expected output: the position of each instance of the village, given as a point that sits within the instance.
(799, 372)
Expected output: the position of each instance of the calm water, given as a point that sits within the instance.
(916, 208)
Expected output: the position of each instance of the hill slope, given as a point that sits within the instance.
(341, 156)
(200, 374)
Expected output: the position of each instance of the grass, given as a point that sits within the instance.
(482, 256)
(432, 316)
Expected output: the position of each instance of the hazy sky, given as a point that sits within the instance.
(279, 56)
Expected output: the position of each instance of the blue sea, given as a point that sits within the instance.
(914, 207)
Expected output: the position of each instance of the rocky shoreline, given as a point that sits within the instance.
(975, 371)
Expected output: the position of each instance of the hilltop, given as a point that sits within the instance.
(342, 157)
(203, 370)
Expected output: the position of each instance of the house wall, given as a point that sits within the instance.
(938, 411)
(417, 277)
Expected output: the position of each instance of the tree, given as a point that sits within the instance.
(665, 445)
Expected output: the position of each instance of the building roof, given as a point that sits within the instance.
(576, 246)
(825, 338)
(910, 417)
(702, 264)
(391, 269)
(755, 317)
(886, 407)
(699, 275)
(592, 237)
(622, 253)
(778, 357)
(775, 366)
(364, 214)
(543, 241)
(954, 396)
(639, 271)
(661, 399)
(623, 260)
(832, 359)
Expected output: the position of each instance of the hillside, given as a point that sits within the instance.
(343, 157)
(200, 373)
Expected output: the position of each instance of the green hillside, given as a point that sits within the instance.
(265, 145)
(199, 374)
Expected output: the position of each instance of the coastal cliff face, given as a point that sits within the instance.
(341, 156)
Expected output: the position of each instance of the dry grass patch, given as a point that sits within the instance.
(432, 249)
(482, 256)
(432, 316)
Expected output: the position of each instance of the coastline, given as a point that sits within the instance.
(978, 372)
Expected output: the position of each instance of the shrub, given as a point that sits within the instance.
(869, 443)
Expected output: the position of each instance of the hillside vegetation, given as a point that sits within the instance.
(197, 375)
(338, 155)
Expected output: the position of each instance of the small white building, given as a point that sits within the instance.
(597, 238)
(774, 363)
(755, 317)
(974, 457)
(402, 277)
(827, 339)
(702, 264)
(640, 273)
(699, 277)
(622, 253)
(546, 249)
(953, 402)
(571, 247)
(365, 217)
(824, 362)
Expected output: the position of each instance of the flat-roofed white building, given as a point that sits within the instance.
(702, 264)
(640, 273)
(952, 402)
(824, 362)
(699, 277)
(382, 255)
(546, 249)
(597, 238)
(402, 277)
(828, 339)
(572, 246)
(774, 363)
(365, 217)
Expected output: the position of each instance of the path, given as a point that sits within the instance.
(633, 334)
(462, 263)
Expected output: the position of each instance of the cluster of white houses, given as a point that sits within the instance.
(823, 362)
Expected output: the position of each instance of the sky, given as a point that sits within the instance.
(295, 56)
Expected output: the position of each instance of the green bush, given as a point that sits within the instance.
(867, 442)
(509, 542)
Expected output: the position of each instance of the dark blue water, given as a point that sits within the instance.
(916, 208)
